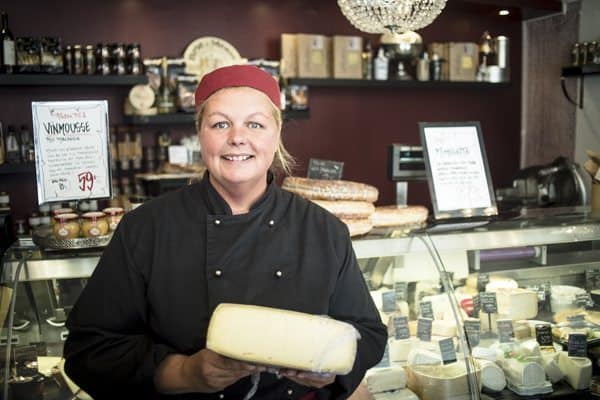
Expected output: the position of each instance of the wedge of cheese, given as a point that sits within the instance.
(577, 370)
(282, 338)
(385, 379)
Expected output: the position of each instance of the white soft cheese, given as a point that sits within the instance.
(577, 370)
(282, 338)
(385, 379)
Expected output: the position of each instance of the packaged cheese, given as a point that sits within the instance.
(282, 338)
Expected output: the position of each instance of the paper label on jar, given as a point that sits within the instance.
(63, 232)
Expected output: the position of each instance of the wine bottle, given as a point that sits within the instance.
(7, 40)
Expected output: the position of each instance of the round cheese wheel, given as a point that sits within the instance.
(141, 97)
(347, 208)
(358, 226)
(398, 215)
(323, 189)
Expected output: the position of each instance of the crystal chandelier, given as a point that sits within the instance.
(395, 16)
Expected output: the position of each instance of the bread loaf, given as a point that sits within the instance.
(358, 226)
(346, 208)
(323, 189)
(398, 215)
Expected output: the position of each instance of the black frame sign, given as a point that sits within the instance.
(457, 169)
(71, 150)
(325, 169)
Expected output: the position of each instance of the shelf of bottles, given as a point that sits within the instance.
(366, 83)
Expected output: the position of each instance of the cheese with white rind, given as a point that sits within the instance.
(523, 373)
(517, 303)
(440, 382)
(443, 328)
(551, 367)
(484, 353)
(385, 379)
(577, 370)
(402, 394)
(282, 338)
(423, 357)
(492, 376)
(399, 349)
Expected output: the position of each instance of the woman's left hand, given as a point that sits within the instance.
(310, 379)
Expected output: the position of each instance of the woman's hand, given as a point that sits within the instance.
(205, 371)
(310, 379)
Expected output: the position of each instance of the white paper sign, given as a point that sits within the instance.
(71, 147)
(457, 168)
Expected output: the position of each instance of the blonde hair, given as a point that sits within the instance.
(283, 162)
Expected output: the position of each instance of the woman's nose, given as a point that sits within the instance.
(237, 135)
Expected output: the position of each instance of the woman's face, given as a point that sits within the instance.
(238, 137)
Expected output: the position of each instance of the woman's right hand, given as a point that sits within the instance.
(210, 372)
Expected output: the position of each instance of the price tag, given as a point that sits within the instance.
(385, 360)
(473, 330)
(476, 305)
(389, 301)
(543, 334)
(506, 332)
(401, 289)
(426, 309)
(325, 169)
(424, 329)
(401, 327)
(448, 351)
(482, 280)
(488, 302)
(577, 345)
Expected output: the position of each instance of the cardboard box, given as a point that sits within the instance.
(462, 61)
(347, 57)
(314, 56)
(289, 56)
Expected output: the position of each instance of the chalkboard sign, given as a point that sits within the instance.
(476, 305)
(473, 331)
(401, 289)
(389, 301)
(489, 304)
(543, 334)
(482, 280)
(448, 351)
(424, 329)
(401, 327)
(577, 345)
(385, 360)
(506, 332)
(426, 309)
(325, 169)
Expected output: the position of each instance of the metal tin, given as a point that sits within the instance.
(502, 49)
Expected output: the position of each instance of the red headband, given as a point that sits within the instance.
(235, 76)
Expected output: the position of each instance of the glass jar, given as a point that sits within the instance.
(66, 226)
(113, 216)
(94, 224)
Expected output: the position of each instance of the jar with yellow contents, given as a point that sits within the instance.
(113, 216)
(94, 224)
(66, 226)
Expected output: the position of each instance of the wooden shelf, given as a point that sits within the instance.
(22, 168)
(70, 80)
(588, 69)
(366, 83)
(188, 118)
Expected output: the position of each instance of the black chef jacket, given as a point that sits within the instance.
(175, 258)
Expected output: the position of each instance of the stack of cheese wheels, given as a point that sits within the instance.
(386, 216)
(352, 202)
(282, 338)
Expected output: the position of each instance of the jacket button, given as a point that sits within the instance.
(218, 273)
(290, 392)
(278, 274)
(217, 222)
(271, 222)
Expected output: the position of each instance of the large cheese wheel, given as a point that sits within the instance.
(399, 215)
(282, 338)
(357, 226)
(324, 189)
(347, 208)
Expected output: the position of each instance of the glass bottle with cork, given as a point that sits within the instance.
(7, 42)
(165, 99)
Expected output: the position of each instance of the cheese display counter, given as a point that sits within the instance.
(523, 290)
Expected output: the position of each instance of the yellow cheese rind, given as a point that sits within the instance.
(282, 338)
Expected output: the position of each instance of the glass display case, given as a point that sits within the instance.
(505, 282)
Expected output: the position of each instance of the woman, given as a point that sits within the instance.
(139, 327)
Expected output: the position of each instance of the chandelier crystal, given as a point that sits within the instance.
(395, 16)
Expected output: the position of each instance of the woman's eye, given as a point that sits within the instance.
(254, 125)
(220, 125)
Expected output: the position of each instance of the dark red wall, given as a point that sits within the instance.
(354, 125)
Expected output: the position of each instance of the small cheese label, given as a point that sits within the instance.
(473, 331)
(389, 301)
(577, 345)
(543, 334)
(506, 332)
(424, 329)
(476, 305)
(426, 309)
(448, 351)
(401, 327)
(489, 304)
(482, 280)
(401, 289)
